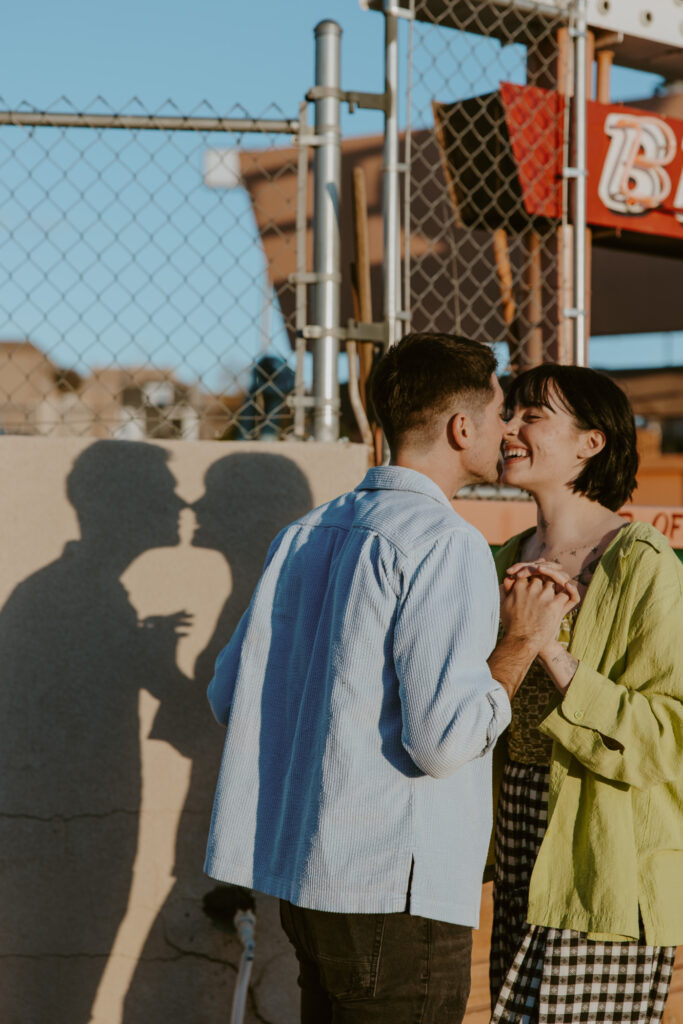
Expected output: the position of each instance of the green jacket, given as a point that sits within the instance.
(614, 843)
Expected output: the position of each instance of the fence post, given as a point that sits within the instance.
(326, 231)
(390, 189)
(580, 32)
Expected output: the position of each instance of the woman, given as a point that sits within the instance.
(588, 889)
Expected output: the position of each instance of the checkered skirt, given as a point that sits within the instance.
(549, 976)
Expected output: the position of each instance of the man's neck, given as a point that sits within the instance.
(432, 464)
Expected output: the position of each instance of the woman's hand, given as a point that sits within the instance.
(548, 572)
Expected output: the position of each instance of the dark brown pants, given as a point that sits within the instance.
(379, 968)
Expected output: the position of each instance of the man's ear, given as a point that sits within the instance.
(459, 431)
(593, 442)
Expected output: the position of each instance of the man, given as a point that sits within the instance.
(361, 711)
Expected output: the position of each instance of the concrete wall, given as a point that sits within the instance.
(124, 567)
(115, 597)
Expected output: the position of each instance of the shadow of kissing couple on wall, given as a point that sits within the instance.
(248, 498)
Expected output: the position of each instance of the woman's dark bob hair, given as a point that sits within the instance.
(596, 403)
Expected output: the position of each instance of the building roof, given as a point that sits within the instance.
(632, 292)
(655, 394)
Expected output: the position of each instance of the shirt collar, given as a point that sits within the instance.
(399, 478)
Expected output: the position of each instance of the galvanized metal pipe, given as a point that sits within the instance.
(301, 290)
(408, 182)
(47, 119)
(390, 180)
(581, 172)
(326, 232)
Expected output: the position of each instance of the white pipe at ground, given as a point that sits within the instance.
(245, 925)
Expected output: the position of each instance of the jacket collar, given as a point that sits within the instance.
(643, 532)
(399, 478)
(623, 543)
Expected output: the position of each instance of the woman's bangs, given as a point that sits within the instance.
(532, 388)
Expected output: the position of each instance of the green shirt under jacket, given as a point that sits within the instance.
(614, 842)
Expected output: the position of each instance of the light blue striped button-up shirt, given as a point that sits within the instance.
(360, 710)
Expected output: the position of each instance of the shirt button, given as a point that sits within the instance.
(578, 715)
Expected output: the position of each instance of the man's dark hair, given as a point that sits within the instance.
(417, 380)
(596, 403)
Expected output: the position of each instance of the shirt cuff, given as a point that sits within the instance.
(591, 702)
(500, 718)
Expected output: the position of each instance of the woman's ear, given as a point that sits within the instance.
(592, 443)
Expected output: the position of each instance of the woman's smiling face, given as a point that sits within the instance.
(542, 445)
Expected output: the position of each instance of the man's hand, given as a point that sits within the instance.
(534, 606)
(531, 612)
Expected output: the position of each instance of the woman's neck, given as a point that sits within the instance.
(566, 519)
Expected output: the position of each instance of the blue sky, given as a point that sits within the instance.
(224, 52)
(253, 54)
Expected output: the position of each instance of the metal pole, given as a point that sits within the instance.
(581, 171)
(326, 232)
(390, 187)
(135, 122)
(301, 292)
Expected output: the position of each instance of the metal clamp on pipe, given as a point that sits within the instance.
(366, 100)
(376, 332)
(311, 277)
(309, 140)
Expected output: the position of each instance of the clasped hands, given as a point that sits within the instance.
(535, 597)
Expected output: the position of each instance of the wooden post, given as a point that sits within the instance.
(558, 74)
(362, 299)
(532, 305)
(565, 294)
(589, 288)
(565, 64)
(501, 254)
(590, 63)
(362, 253)
(605, 59)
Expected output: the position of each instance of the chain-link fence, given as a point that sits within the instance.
(136, 296)
(488, 209)
(149, 261)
